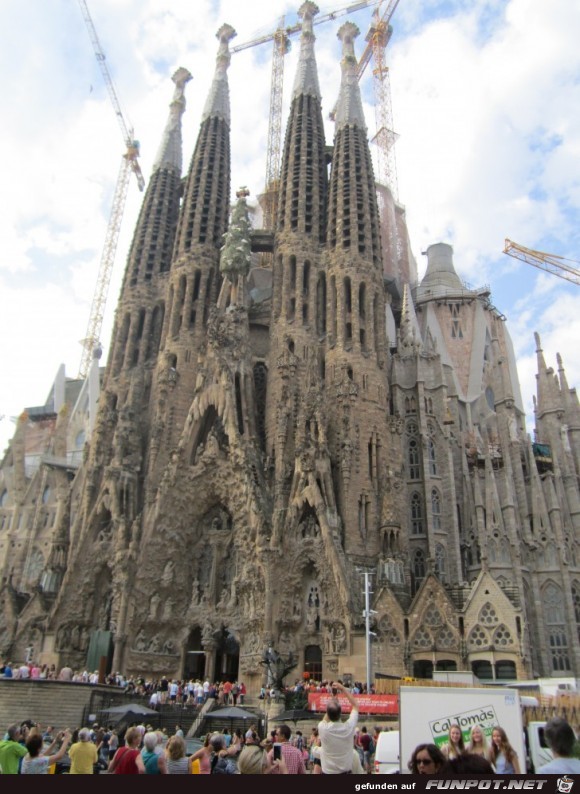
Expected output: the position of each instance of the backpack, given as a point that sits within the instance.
(372, 746)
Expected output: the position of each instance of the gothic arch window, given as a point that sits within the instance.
(291, 304)
(559, 649)
(445, 638)
(416, 514)
(260, 391)
(432, 616)
(422, 639)
(576, 602)
(413, 452)
(321, 304)
(418, 568)
(436, 509)
(194, 297)
(553, 604)
(362, 313)
(239, 403)
(488, 615)
(4, 498)
(490, 397)
(121, 345)
(333, 307)
(154, 337)
(138, 337)
(305, 292)
(46, 495)
(178, 306)
(441, 562)
(502, 637)
(478, 639)
(432, 458)
(394, 571)
(556, 627)
(347, 310)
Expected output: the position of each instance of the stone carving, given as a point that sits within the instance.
(140, 644)
(153, 606)
(335, 639)
(168, 571)
(72, 637)
(168, 610)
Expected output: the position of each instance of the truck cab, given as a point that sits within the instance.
(537, 751)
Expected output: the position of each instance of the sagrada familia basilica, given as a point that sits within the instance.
(281, 412)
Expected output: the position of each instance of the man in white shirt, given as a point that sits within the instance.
(336, 737)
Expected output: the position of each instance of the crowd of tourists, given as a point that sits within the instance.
(334, 747)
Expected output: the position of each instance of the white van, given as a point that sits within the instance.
(387, 753)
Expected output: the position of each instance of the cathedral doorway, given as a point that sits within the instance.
(227, 657)
(194, 665)
(313, 662)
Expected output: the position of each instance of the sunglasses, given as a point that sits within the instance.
(423, 761)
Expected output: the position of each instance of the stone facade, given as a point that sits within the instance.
(267, 435)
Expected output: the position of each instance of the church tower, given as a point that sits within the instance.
(194, 279)
(356, 379)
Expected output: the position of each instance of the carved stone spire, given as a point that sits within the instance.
(170, 150)
(353, 221)
(303, 179)
(218, 100)
(410, 336)
(306, 80)
(349, 109)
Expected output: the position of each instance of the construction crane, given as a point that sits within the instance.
(129, 163)
(377, 39)
(558, 265)
(385, 137)
(281, 46)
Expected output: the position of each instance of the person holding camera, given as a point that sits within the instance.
(284, 750)
(36, 764)
(336, 737)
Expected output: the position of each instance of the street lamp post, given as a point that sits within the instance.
(367, 616)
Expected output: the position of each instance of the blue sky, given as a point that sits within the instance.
(485, 99)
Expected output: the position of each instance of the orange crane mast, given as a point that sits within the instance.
(557, 265)
(129, 163)
(385, 137)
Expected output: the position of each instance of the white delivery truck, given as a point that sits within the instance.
(426, 714)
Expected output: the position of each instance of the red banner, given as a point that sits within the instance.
(367, 704)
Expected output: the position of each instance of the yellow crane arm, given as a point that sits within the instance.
(551, 263)
(289, 31)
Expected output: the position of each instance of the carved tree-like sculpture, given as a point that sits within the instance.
(278, 667)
